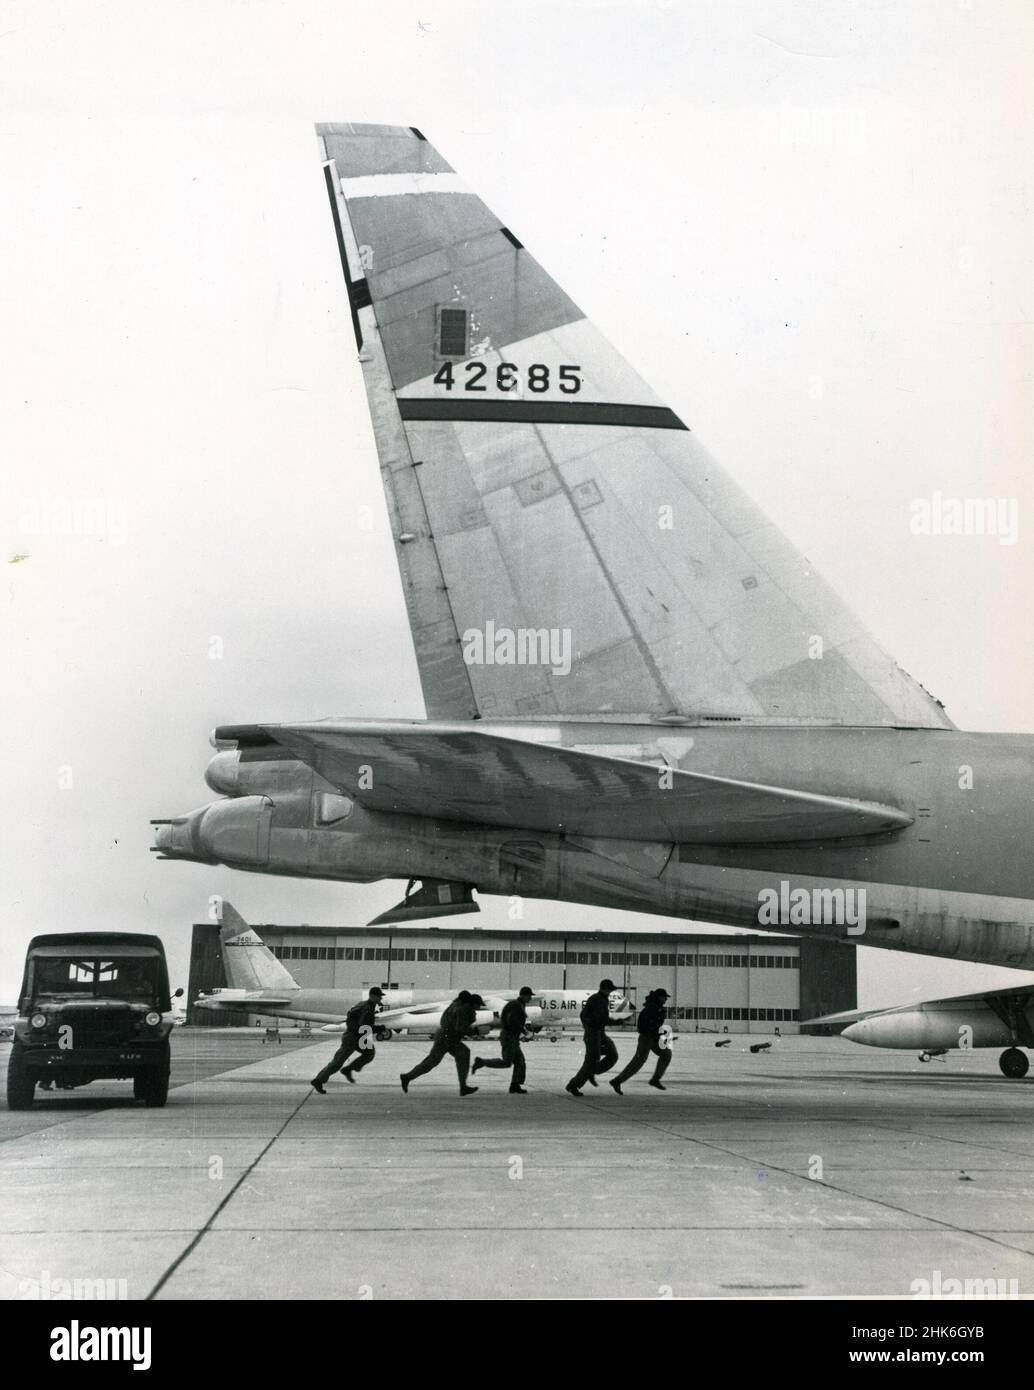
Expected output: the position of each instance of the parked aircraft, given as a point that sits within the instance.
(261, 984)
(994, 1018)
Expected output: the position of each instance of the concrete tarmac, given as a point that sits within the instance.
(818, 1169)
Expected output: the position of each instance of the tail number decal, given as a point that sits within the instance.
(538, 378)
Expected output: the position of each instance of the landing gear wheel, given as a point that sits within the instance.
(1014, 1063)
(20, 1082)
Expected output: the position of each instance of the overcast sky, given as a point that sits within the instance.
(808, 227)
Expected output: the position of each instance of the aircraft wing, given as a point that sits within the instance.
(846, 1017)
(387, 1017)
(480, 777)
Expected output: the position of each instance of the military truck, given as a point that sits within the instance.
(92, 1006)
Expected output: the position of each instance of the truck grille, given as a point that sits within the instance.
(95, 1028)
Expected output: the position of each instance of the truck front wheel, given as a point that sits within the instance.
(152, 1085)
(21, 1084)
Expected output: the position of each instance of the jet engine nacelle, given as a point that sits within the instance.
(230, 775)
(328, 835)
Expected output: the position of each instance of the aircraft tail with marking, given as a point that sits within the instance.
(567, 547)
(247, 960)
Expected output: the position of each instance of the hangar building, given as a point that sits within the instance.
(742, 984)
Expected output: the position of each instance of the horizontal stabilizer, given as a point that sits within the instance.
(460, 773)
(242, 999)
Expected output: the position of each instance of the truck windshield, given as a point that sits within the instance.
(127, 977)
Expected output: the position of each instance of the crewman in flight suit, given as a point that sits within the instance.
(360, 1031)
(651, 1020)
(600, 1052)
(457, 1021)
(512, 1024)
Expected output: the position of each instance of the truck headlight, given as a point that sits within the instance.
(152, 1019)
(38, 1020)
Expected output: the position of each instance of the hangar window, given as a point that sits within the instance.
(453, 333)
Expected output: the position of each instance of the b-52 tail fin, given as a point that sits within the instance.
(567, 547)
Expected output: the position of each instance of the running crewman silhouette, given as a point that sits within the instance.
(600, 1052)
(457, 1021)
(511, 1028)
(649, 1023)
(360, 1031)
